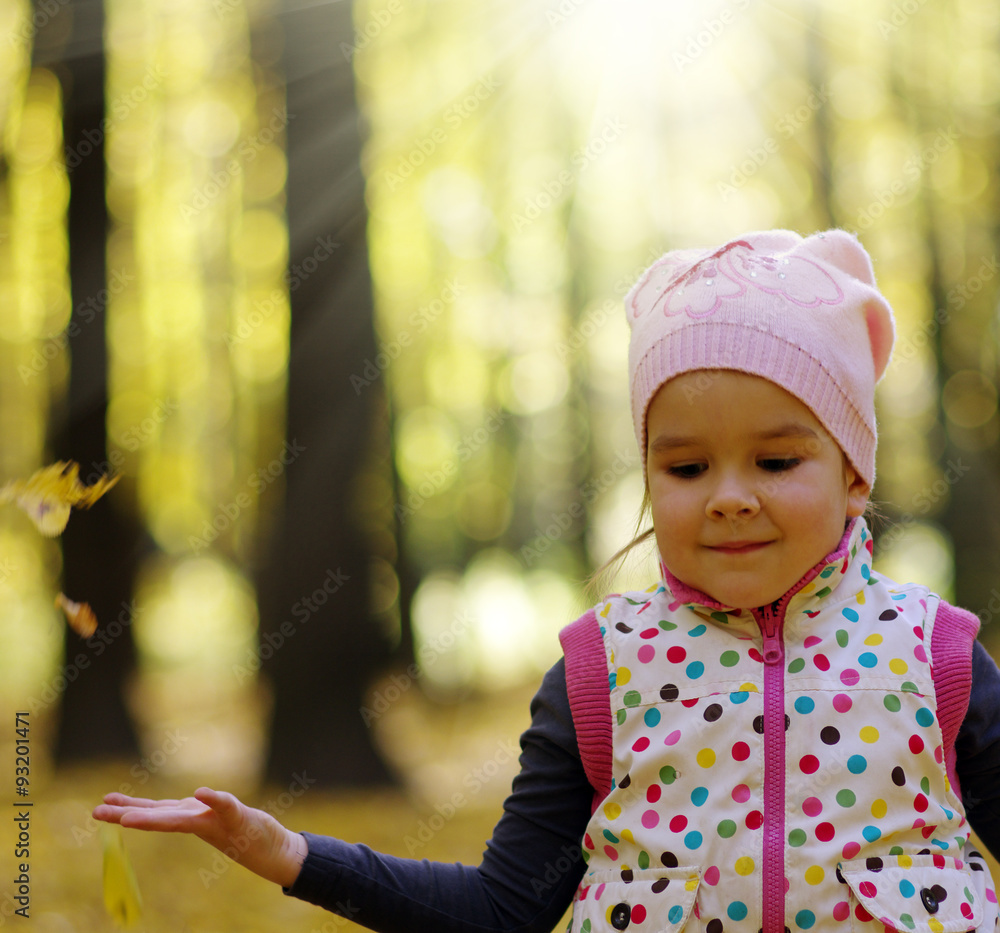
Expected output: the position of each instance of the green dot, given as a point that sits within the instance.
(729, 658)
(826, 591)
(643, 859)
(632, 698)
(721, 618)
(898, 850)
(925, 784)
(846, 798)
(909, 686)
(620, 716)
(797, 837)
(891, 703)
(668, 774)
(908, 920)
(667, 626)
(842, 637)
(796, 665)
(585, 926)
(727, 828)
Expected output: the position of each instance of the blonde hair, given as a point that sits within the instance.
(598, 582)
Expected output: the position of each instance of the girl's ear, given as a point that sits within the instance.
(858, 492)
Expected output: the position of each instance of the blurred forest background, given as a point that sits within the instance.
(336, 288)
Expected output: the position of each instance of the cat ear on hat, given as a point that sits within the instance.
(881, 332)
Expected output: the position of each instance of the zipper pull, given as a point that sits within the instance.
(773, 650)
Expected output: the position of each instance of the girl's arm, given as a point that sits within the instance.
(252, 838)
(525, 881)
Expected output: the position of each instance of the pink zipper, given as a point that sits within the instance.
(773, 885)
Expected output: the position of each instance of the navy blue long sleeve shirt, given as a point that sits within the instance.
(532, 865)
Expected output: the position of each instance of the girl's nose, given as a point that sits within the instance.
(733, 498)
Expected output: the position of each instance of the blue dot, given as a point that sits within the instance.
(699, 795)
(849, 614)
(695, 669)
(693, 839)
(698, 630)
(871, 833)
(924, 717)
(611, 837)
(737, 910)
(740, 696)
(906, 889)
(857, 764)
(804, 919)
(651, 717)
(612, 680)
(868, 659)
(804, 705)
(940, 844)
(866, 571)
(948, 815)
(675, 913)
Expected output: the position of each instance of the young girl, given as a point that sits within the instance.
(790, 741)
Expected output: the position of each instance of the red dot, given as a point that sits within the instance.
(822, 662)
(755, 655)
(916, 744)
(939, 861)
(825, 832)
(811, 640)
(938, 755)
(588, 842)
(850, 850)
(920, 803)
(862, 914)
(755, 819)
(676, 654)
(640, 744)
(809, 764)
(638, 914)
(741, 751)
(689, 703)
(679, 823)
(611, 852)
(650, 633)
(653, 793)
(918, 630)
(967, 911)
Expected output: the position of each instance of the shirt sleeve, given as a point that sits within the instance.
(978, 751)
(530, 869)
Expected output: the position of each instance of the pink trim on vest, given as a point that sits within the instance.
(951, 664)
(589, 699)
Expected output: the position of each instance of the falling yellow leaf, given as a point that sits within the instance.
(80, 616)
(121, 892)
(49, 494)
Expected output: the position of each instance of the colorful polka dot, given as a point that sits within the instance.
(705, 758)
(744, 865)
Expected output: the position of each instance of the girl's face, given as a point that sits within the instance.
(748, 490)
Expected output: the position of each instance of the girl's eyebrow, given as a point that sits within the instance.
(789, 429)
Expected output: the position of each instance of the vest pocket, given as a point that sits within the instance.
(918, 893)
(655, 900)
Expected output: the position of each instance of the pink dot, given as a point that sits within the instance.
(811, 640)
(676, 654)
(600, 887)
(841, 911)
(611, 852)
(938, 755)
(811, 806)
(741, 751)
(638, 913)
(918, 630)
(646, 654)
(755, 819)
(919, 653)
(673, 738)
(825, 832)
(867, 889)
(650, 818)
(653, 793)
(916, 744)
(850, 850)
(640, 744)
(679, 823)
(842, 702)
(650, 633)
(741, 793)
(822, 662)
(711, 875)
(809, 764)
(967, 911)
(849, 677)
(991, 895)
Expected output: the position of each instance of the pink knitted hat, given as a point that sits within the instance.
(804, 313)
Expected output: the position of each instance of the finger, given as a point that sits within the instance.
(107, 814)
(223, 803)
(160, 819)
(122, 800)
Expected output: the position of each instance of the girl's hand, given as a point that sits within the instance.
(253, 838)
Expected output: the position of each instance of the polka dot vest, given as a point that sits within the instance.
(779, 769)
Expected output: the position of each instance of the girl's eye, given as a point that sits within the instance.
(778, 464)
(687, 470)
